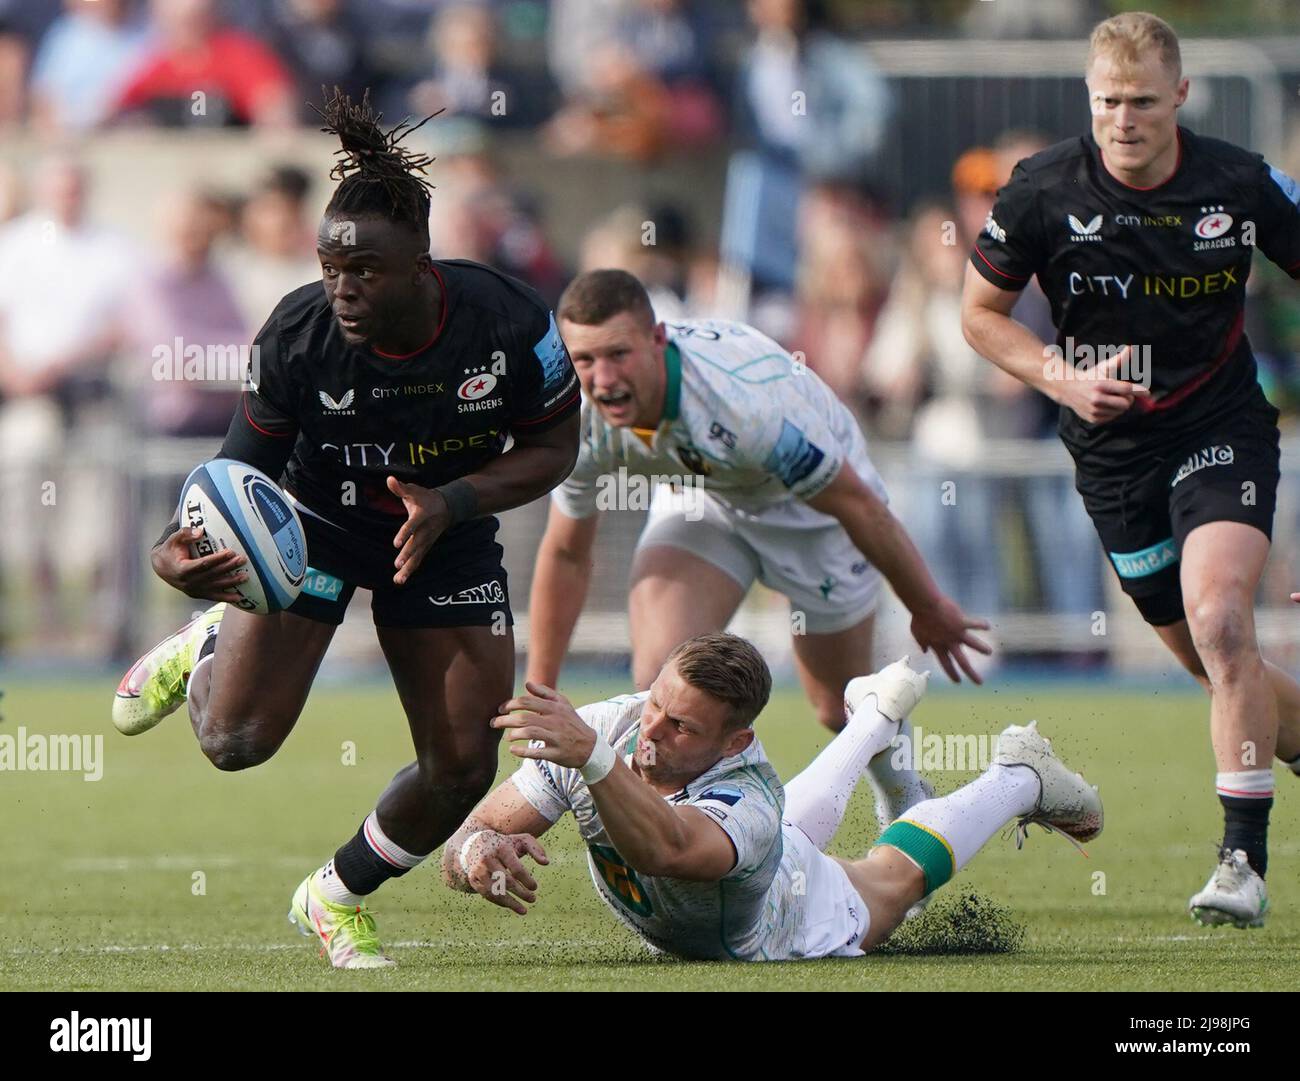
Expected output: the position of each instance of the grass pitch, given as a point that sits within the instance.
(166, 874)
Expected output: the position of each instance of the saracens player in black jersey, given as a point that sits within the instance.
(1141, 235)
(384, 396)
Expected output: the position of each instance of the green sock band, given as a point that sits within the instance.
(928, 850)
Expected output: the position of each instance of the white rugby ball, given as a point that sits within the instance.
(241, 508)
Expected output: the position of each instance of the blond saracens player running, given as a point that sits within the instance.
(774, 483)
(1141, 233)
(693, 843)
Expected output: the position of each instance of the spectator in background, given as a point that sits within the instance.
(809, 98)
(467, 77)
(11, 193)
(278, 249)
(60, 324)
(186, 302)
(920, 367)
(814, 111)
(841, 282)
(82, 62)
(479, 215)
(201, 73)
(654, 244)
(641, 92)
(324, 43)
(22, 25)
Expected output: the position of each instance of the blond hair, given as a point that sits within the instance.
(1131, 37)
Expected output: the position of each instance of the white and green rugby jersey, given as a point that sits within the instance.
(743, 420)
(732, 918)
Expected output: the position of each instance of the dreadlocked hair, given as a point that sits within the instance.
(375, 174)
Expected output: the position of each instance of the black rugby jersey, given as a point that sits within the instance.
(1162, 268)
(336, 420)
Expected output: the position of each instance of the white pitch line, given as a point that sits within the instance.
(273, 947)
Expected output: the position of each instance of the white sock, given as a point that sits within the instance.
(204, 660)
(329, 883)
(896, 784)
(386, 848)
(817, 798)
(942, 835)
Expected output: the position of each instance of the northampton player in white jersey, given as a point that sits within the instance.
(692, 841)
(770, 481)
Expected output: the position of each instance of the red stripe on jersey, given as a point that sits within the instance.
(1013, 277)
(1146, 405)
(442, 322)
(273, 435)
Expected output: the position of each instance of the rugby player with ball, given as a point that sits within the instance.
(384, 396)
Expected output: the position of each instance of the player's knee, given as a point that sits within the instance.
(460, 781)
(1221, 631)
(236, 750)
(831, 716)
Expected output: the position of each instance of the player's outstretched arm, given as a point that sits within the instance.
(485, 856)
(561, 577)
(937, 621)
(989, 329)
(653, 837)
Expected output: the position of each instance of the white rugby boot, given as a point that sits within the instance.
(1066, 802)
(893, 693)
(1235, 894)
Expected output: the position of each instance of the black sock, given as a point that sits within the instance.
(209, 645)
(1245, 826)
(360, 868)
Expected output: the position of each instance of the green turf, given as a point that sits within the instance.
(98, 883)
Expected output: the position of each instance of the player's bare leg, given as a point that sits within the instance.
(1220, 571)
(245, 701)
(1178, 638)
(450, 682)
(826, 663)
(674, 596)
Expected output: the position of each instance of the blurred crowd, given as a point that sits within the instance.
(863, 282)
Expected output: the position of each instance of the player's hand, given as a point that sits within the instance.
(208, 578)
(1099, 395)
(943, 627)
(494, 867)
(427, 518)
(1296, 597)
(548, 718)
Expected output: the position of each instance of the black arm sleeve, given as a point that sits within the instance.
(259, 436)
(263, 430)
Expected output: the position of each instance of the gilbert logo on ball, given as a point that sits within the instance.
(241, 508)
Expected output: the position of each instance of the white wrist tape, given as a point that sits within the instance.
(602, 760)
(464, 849)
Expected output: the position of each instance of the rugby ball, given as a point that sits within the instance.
(240, 507)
